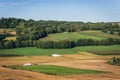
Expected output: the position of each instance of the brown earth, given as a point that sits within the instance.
(13, 33)
(75, 60)
(10, 74)
(8, 31)
(89, 64)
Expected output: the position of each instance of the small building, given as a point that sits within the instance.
(56, 55)
(27, 64)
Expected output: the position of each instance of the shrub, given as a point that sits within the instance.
(114, 61)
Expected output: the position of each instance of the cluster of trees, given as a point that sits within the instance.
(71, 44)
(34, 30)
(10, 22)
(112, 29)
(114, 61)
(15, 44)
(29, 32)
(53, 44)
(59, 44)
(111, 32)
(3, 36)
(31, 28)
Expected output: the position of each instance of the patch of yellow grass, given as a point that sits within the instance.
(33, 58)
(3, 30)
(48, 59)
(82, 55)
(89, 56)
(11, 38)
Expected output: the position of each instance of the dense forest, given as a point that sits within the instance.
(28, 33)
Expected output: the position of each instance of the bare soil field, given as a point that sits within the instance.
(92, 62)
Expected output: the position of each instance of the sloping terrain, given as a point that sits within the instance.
(70, 36)
(100, 34)
(83, 61)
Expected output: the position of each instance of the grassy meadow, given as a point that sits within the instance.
(29, 51)
(56, 70)
(90, 34)
(105, 52)
(71, 36)
(98, 33)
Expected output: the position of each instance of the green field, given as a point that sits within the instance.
(100, 34)
(29, 51)
(56, 70)
(71, 36)
(105, 52)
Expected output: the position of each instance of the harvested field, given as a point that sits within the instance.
(28, 75)
(6, 30)
(89, 64)
(47, 59)
(10, 74)
(94, 62)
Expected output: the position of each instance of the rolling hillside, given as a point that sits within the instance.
(71, 36)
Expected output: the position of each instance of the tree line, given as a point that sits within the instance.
(29, 32)
(34, 30)
(10, 22)
(57, 44)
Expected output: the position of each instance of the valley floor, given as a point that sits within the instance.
(81, 61)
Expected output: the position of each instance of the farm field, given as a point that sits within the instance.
(105, 52)
(46, 59)
(90, 34)
(10, 38)
(70, 36)
(56, 70)
(98, 33)
(59, 40)
(32, 51)
(80, 61)
(6, 30)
